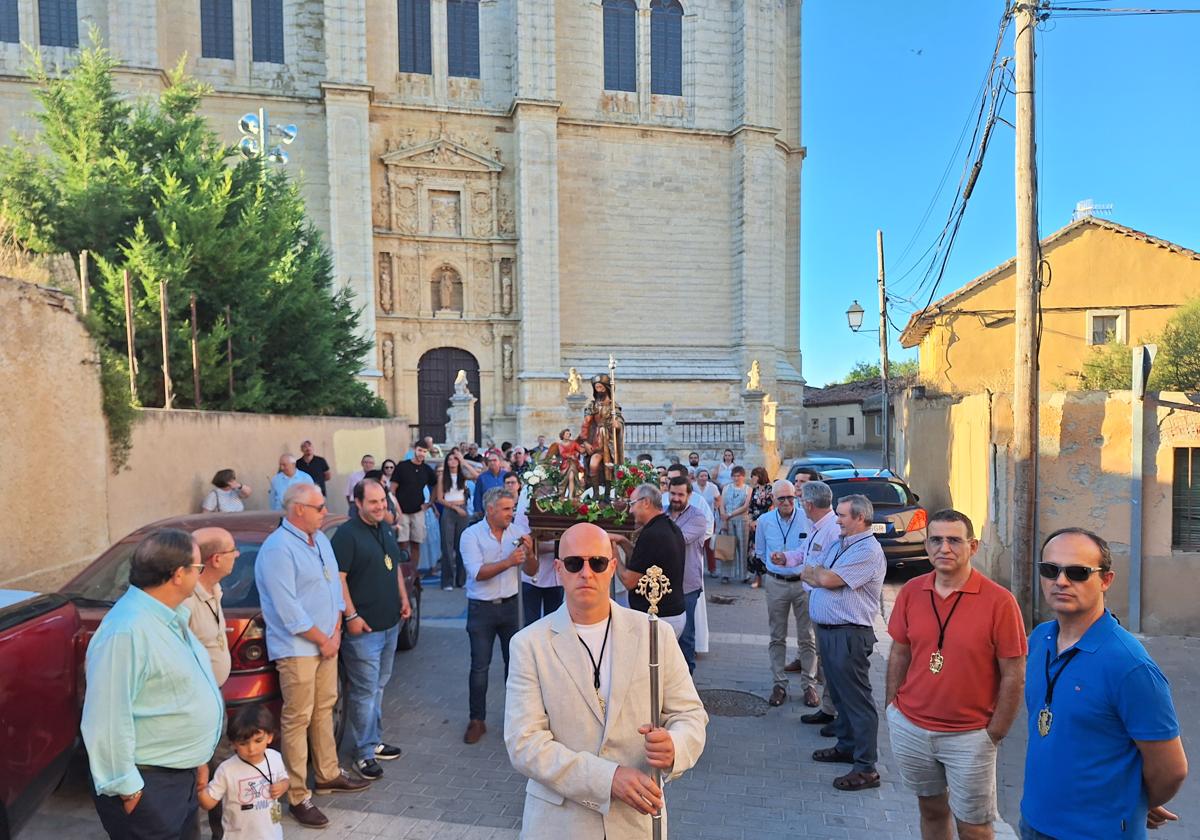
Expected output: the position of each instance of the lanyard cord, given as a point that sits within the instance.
(1067, 657)
(266, 775)
(942, 626)
(788, 532)
(596, 665)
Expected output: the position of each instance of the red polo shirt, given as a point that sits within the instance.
(985, 628)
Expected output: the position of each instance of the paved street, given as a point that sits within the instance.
(755, 779)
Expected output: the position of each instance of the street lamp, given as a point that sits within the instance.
(854, 316)
(258, 134)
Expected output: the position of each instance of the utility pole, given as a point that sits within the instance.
(883, 354)
(1025, 375)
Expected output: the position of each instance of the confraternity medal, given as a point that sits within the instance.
(936, 661)
(1045, 718)
(387, 561)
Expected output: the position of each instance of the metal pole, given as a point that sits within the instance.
(195, 355)
(168, 390)
(1143, 357)
(883, 355)
(131, 355)
(1025, 380)
(84, 304)
(653, 586)
(229, 348)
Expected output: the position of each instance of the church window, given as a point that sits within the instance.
(666, 47)
(620, 45)
(414, 36)
(462, 37)
(58, 23)
(266, 26)
(216, 28)
(10, 28)
(446, 290)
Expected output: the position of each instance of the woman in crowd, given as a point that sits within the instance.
(723, 475)
(227, 494)
(385, 478)
(760, 503)
(711, 494)
(735, 498)
(452, 495)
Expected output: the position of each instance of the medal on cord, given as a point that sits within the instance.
(1046, 717)
(936, 660)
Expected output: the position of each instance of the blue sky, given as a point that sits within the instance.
(887, 88)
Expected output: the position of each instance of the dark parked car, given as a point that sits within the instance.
(820, 464)
(899, 522)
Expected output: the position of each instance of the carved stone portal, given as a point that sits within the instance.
(446, 290)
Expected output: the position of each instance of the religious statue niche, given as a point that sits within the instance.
(604, 431)
(445, 212)
(389, 356)
(506, 285)
(385, 282)
(446, 290)
(506, 352)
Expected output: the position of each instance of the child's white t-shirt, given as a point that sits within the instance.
(247, 810)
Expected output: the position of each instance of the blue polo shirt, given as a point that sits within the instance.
(1084, 779)
(484, 483)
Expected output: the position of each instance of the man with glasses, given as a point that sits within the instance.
(954, 682)
(301, 596)
(577, 720)
(659, 543)
(492, 550)
(153, 712)
(490, 479)
(1104, 755)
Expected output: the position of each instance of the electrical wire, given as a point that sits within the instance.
(1085, 11)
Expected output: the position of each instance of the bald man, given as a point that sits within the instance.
(285, 478)
(577, 714)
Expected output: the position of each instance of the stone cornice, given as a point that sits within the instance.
(347, 90)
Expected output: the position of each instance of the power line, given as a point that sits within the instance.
(1097, 11)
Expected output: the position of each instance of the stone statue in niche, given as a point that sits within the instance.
(754, 377)
(444, 212)
(506, 286)
(389, 354)
(507, 354)
(446, 290)
(385, 282)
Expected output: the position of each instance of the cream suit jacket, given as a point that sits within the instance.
(558, 738)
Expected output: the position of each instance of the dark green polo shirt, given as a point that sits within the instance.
(362, 553)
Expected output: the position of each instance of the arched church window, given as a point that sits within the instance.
(620, 45)
(446, 290)
(462, 38)
(666, 47)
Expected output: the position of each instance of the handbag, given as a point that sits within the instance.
(725, 547)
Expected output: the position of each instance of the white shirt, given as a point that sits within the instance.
(223, 501)
(593, 636)
(355, 477)
(823, 536)
(237, 784)
(480, 546)
(547, 575)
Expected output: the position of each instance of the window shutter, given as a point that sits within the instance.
(620, 45)
(413, 18)
(666, 48)
(57, 23)
(10, 25)
(266, 30)
(1185, 500)
(610, 47)
(216, 28)
(629, 47)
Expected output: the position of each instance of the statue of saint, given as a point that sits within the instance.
(754, 377)
(460, 385)
(604, 431)
(574, 382)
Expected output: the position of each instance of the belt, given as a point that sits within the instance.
(150, 768)
(843, 626)
(493, 600)
(783, 578)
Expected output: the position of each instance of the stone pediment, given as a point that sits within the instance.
(441, 154)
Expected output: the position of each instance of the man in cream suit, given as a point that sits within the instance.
(577, 714)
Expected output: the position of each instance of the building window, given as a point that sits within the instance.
(58, 23)
(266, 24)
(849, 425)
(462, 38)
(620, 45)
(413, 17)
(216, 28)
(1103, 324)
(10, 28)
(666, 47)
(878, 426)
(1185, 500)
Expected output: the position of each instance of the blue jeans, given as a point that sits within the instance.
(485, 622)
(687, 639)
(1028, 832)
(540, 600)
(367, 659)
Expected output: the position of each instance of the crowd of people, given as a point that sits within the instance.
(1104, 754)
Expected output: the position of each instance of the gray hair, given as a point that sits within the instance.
(294, 492)
(817, 494)
(860, 506)
(649, 492)
(491, 497)
(291, 459)
(159, 555)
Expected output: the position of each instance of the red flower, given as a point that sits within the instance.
(583, 509)
(620, 473)
(629, 491)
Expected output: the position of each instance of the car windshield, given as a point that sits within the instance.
(880, 492)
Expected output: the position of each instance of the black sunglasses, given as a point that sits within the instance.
(1077, 574)
(574, 564)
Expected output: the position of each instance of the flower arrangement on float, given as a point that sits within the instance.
(545, 482)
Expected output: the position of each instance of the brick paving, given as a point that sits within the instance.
(755, 780)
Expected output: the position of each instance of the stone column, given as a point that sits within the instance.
(462, 417)
(752, 429)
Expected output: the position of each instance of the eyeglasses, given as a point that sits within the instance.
(1076, 574)
(953, 542)
(574, 564)
(785, 498)
(319, 507)
(199, 566)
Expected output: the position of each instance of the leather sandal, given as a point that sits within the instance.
(857, 781)
(832, 755)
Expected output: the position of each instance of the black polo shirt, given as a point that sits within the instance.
(660, 544)
(411, 479)
(362, 552)
(316, 469)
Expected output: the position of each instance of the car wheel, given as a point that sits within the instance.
(410, 633)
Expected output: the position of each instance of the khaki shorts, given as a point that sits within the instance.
(410, 527)
(931, 763)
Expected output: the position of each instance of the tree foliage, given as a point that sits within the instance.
(868, 371)
(146, 186)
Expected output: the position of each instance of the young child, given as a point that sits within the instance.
(248, 784)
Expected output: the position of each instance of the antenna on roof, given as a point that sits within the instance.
(1087, 208)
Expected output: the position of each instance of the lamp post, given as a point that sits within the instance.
(258, 134)
(854, 318)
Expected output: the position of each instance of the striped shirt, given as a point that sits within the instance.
(859, 561)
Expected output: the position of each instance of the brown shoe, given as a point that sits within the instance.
(309, 815)
(811, 698)
(794, 667)
(475, 730)
(778, 695)
(857, 781)
(342, 783)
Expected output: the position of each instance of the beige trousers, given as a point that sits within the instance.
(310, 687)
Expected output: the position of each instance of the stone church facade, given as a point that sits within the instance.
(519, 187)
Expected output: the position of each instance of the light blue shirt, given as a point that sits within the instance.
(860, 562)
(480, 546)
(151, 695)
(773, 533)
(299, 588)
(280, 483)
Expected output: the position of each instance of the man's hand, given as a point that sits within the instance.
(637, 790)
(518, 555)
(1155, 817)
(279, 788)
(356, 627)
(778, 559)
(330, 648)
(660, 748)
(405, 610)
(996, 737)
(131, 802)
(202, 776)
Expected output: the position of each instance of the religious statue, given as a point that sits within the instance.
(385, 282)
(604, 431)
(565, 453)
(754, 377)
(507, 356)
(574, 382)
(460, 385)
(506, 287)
(388, 358)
